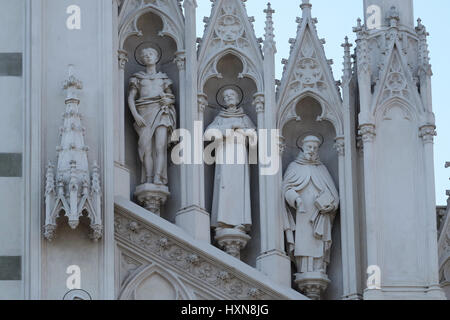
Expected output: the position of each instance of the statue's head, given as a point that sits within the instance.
(149, 56)
(310, 146)
(231, 98)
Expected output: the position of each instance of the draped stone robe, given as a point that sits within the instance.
(231, 198)
(151, 89)
(312, 229)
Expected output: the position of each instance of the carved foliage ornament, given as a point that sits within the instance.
(185, 260)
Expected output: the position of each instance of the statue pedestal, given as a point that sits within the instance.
(232, 241)
(152, 196)
(312, 284)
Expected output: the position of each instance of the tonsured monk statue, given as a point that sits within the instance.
(151, 102)
(309, 189)
(231, 211)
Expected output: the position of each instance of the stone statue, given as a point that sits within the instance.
(151, 102)
(309, 189)
(231, 211)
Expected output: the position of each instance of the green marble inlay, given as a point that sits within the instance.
(11, 64)
(10, 268)
(10, 164)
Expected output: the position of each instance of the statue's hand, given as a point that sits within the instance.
(298, 203)
(167, 100)
(140, 121)
(328, 209)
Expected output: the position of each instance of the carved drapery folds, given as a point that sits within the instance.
(72, 189)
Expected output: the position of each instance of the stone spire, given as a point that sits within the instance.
(74, 193)
(347, 60)
(269, 35)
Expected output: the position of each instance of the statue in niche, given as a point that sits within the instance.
(231, 211)
(309, 189)
(151, 102)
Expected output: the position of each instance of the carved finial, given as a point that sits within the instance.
(347, 60)
(358, 27)
(72, 170)
(96, 178)
(50, 180)
(424, 59)
(71, 85)
(269, 36)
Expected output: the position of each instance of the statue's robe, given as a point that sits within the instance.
(312, 228)
(155, 114)
(231, 198)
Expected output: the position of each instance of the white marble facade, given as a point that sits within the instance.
(353, 185)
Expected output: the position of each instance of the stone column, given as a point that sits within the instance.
(349, 193)
(368, 135)
(427, 133)
(192, 217)
(273, 260)
(121, 172)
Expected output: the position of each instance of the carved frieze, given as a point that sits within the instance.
(185, 260)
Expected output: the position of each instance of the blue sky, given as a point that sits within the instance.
(336, 19)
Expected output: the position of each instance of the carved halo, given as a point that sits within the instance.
(219, 96)
(300, 139)
(146, 45)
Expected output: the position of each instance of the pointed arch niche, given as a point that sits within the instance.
(154, 283)
(149, 27)
(229, 69)
(308, 114)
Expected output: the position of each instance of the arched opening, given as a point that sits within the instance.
(305, 120)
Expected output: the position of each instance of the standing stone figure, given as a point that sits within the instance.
(231, 211)
(309, 189)
(151, 102)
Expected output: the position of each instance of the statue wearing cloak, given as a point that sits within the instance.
(231, 200)
(309, 189)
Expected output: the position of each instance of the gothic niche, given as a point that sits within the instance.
(235, 232)
(314, 263)
(152, 83)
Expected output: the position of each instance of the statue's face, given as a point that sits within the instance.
(231, 98)
(311, 150)
(149, 56)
